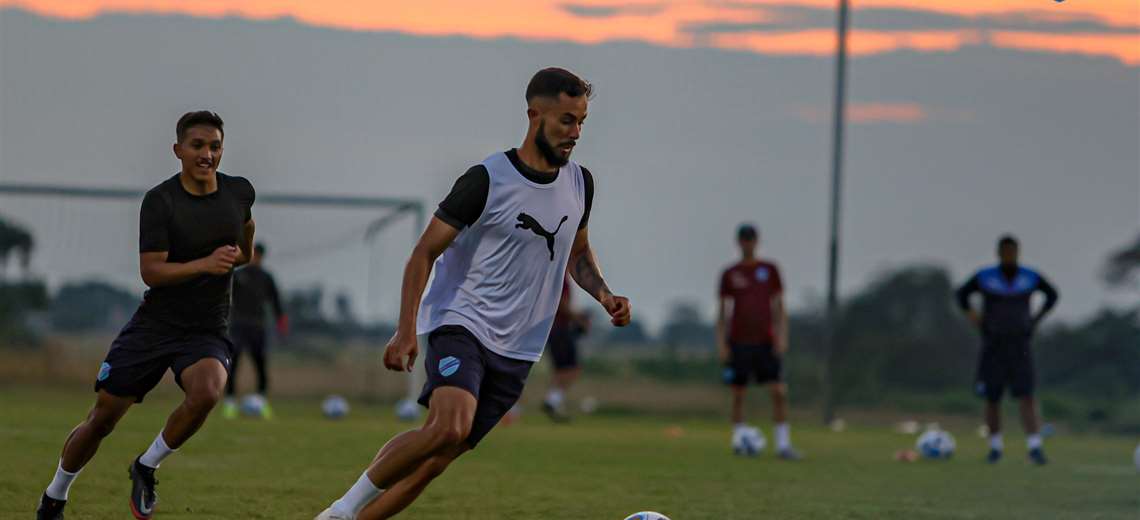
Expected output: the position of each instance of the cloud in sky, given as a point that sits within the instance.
(793, 27)
(612, 10)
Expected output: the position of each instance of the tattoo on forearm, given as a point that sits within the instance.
(588, 275)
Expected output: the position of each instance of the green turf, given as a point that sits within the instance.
(597, 468)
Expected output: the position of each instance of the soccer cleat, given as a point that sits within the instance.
(1037, 457)
(993, 456)
(143, 497)
(50, 508)
(554, 413)
(266, 412)
(789, 453)
(229, 409)
(332, 514)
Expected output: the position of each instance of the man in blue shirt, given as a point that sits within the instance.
(1007, 324)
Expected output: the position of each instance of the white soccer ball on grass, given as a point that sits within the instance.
(252, 405)
(334, 407)
(647, 515)
(748, 441)
(407, 410)
(935, 444)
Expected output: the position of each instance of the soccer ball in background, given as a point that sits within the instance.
(935, 444)
(252, 405)
(334, 407)
(748, 441)
(647, 515)
(407, 410)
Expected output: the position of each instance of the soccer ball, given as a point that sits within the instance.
(935, 444)
(407, 410)
(748, 441)
(334, 407)
(647, 515)
(252, 405)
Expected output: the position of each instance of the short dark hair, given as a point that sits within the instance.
(747, 232)
(259, 248)
(1007, 240)
(552, 81)
(199, 118)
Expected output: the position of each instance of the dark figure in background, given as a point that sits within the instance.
(254, 291)
(1007, 325)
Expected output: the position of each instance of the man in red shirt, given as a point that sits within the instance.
(752, 334)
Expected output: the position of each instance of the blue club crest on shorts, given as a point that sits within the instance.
(448, 365)
(104, 371)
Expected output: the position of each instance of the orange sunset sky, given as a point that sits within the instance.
(1094, 27)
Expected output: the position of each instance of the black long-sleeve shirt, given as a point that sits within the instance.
(254, 289)
(1006, 295)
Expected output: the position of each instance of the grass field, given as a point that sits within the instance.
(601, 467)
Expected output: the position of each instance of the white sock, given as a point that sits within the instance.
(783, 436)
(736, 427)
(1034, 441)
(554, 397)
(157, 451)
(358, 496)
(61, 484)
(996, 442)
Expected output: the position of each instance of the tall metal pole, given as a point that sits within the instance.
(836, 190)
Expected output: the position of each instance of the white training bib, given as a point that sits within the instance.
(502, 277)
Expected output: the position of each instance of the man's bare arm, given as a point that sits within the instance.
(586, 272)
(156, 271)
(402, 349)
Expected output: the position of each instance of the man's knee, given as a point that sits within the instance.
(203, 399)
(448, 434)
(778, 390)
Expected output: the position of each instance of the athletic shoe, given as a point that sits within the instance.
(789, 453)
(993, 456)
(50, 508)
(1037, 456)
(332, 514)
(554, 413)
(143, 497)
(266, 412)
(229, 409)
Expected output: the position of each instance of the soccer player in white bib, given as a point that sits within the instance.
(500, 242)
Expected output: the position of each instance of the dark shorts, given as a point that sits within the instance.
(1005, 362)
(753, 361)
(455, 358)
(563, 345)
(146, 348)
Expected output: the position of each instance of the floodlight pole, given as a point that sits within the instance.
(836, 190)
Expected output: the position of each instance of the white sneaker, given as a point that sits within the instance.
(332, 514)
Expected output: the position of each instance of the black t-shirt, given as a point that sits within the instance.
(188, 227)
(465, 203)
(254, 289)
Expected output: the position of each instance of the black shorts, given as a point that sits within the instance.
(757, 361)
(146, 348)
(563, 345)
(455, 358)
(1005, 361)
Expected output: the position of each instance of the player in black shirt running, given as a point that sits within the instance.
(194, 228)
(1007, 326)
(254, 291)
